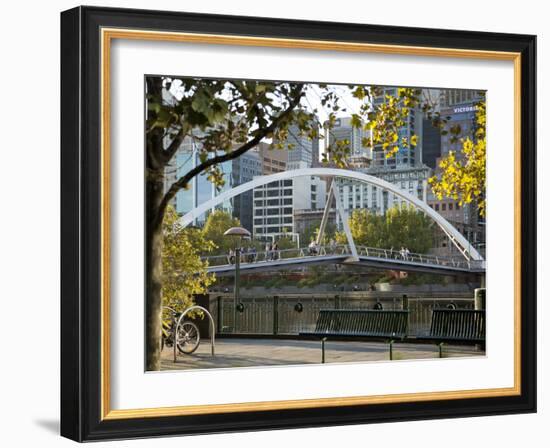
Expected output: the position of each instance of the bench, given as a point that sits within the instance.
(379, 324)
(462, 326)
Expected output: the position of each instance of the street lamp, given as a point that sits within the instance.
(238, 233)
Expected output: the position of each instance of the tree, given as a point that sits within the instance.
(183, 271)
(462, 174)
(225, 118)
(399, 227)
(312, 230)
(214, 228)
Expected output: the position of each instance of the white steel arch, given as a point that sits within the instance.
(445, 225)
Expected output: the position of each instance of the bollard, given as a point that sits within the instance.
(391, 350)
(323, 350)
(479, 299)
(479, 304)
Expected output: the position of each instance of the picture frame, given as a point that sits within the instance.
(86, 37)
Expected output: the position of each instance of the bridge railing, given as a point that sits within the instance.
(399, 255)
(342, 249)
(274, 255)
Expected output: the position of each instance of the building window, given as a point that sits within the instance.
(451, 206)
(437, 207)
(443, 207)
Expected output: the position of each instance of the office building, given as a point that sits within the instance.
(409, 156)
(273, 160)
(359, 195)
(299, 148)
(274, 205)
(360, 156)
(244, 169)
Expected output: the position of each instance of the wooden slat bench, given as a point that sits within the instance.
(379, 324)
(460, 326)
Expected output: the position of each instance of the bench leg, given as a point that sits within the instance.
(323, 350)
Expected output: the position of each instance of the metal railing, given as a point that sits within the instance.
(291, 315)
(249, 257)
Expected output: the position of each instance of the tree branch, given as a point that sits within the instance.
(169, 152)
(262, 133)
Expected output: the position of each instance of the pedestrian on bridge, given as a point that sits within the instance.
(275, 252)
(312, 248)
(252, 254)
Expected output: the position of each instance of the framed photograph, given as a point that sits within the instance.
(277, 224)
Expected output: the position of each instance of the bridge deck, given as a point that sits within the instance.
(368, 257)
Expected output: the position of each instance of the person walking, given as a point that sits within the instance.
(275, 251)
(312, 248)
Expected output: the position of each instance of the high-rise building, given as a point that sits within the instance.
(452, 97)
(272, 160)
(244, 169)
(409, 156)
(315, 155)
(299, 148)
(274, 205)
(359, 195)
(431, 143)
(462, 115)
(360, 156)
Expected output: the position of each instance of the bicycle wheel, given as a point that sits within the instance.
(188, 337)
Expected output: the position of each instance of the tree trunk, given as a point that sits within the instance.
(153, 272)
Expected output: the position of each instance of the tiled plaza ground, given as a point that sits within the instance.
(272, 352)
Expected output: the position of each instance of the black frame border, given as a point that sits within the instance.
(81, 223)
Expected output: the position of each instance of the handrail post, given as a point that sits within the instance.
(275, 315)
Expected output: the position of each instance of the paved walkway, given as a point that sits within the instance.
(271, 352)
